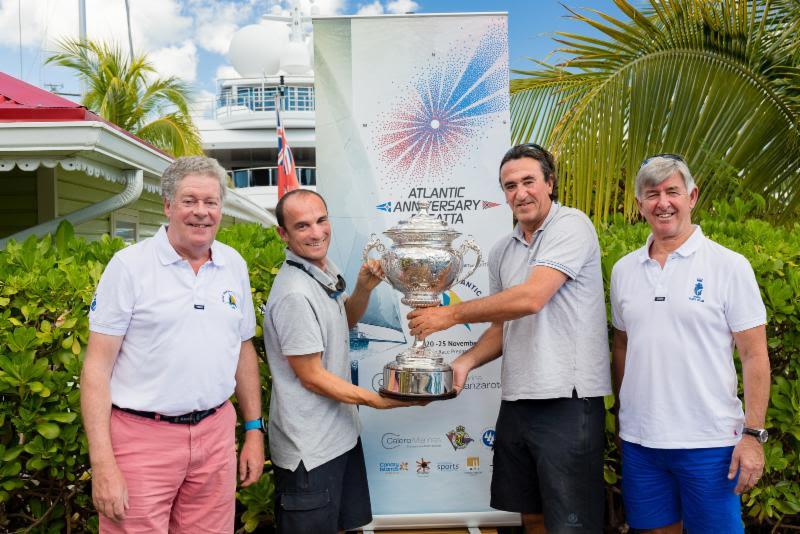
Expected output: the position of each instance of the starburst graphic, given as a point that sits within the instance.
(440, 118)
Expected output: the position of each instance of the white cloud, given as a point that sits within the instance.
(321, 8)
(154, 23)
(225, 71)
(179, 61)
(402, 6)
(216, 22)
(396, 6)
(375, 8)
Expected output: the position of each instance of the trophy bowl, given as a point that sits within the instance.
(421, 264)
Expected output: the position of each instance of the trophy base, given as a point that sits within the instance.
(399, 396)
(423, 381)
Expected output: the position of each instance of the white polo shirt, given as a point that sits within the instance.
(182, 331)
(680, 386)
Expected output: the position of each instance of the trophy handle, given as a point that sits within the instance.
(375, 243)
(468, 244)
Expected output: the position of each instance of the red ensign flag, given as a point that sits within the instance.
(287, 177)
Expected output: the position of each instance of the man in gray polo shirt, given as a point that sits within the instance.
(320, 478)
(548, 320)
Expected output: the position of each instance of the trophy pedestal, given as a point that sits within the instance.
(416, 375)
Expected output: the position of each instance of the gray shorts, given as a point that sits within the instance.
(328, 499)
(548, 459)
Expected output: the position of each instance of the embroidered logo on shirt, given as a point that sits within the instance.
(93, 306)
(698, 291)
(230, 299)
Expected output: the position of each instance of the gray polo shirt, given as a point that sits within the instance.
(300, 318)
(565, 345)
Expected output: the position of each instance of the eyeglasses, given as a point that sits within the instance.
(665, 155)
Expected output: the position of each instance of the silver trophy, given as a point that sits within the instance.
(421, 264)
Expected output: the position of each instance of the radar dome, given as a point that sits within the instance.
(256, 50)
(295, 58)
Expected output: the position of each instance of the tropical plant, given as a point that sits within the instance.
(127, 93)
(715, 81)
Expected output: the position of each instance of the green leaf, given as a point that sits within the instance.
(48, 430)
(62, 417)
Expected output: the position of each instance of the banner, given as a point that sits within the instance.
(412, 108)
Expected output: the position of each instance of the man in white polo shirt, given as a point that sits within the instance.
(679, 305)
(548, 315)
(171, 326)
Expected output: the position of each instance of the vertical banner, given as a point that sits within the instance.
(413, 108)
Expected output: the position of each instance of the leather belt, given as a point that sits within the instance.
(191, 418)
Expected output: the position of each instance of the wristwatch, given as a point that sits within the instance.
(255, 424)
(759, 433)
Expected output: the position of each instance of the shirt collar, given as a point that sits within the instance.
(520, 236)
(688, 248)
(328, 276)
(168, 255)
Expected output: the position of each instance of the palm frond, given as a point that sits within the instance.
(703, 79)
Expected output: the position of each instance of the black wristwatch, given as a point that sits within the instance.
(759, 433)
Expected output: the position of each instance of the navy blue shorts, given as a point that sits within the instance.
(328, 499)
(548, 459)
(663, 486)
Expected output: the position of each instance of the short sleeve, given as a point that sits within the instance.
(744, 308)
(247, 329)
(567, 245)
(493, 268)
(296, 325)
(617, 320)
(113, 303)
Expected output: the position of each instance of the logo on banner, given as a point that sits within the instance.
(377, 382)
(451, 298)
(448, 467)
(423, 466)
(446, 203)
(479, 382)
(473, 465)
(392, 467)
(487, 438)
(459, 438)
(390, 440)
(439, 119)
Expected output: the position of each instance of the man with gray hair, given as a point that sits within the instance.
(679, 305)
(170, 326)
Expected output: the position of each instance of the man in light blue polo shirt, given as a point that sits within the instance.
(548, 317)
(679, 305)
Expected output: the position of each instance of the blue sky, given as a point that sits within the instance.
(189, 38)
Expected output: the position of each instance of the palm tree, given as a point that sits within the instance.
(715, 81)
(127, 93)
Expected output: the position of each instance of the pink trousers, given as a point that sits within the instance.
(180, 478)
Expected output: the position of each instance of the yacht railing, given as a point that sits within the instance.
(263, 99)
(268, 176)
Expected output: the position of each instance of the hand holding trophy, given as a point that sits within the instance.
(421, 264)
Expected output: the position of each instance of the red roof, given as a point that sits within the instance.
(20, 101)
(23, 102)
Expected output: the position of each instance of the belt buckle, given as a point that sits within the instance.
(196, 417)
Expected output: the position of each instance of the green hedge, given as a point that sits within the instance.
(46, 286)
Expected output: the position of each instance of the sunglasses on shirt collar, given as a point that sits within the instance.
(341, 285)
(665, 155)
